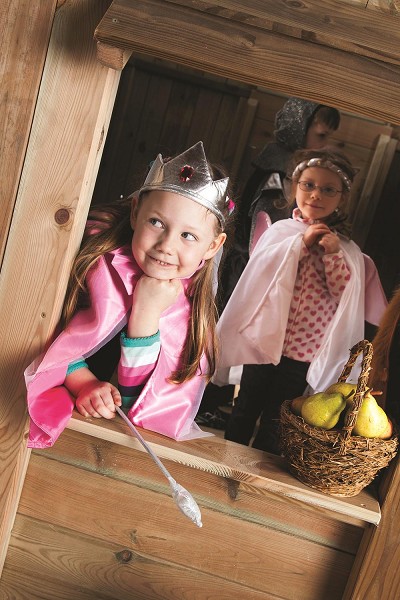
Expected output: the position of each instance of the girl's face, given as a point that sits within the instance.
(321, 201)
(172, 235)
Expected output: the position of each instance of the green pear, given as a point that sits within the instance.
(346, 389)
(322, 409)
(372, 421)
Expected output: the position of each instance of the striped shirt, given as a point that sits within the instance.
(137, 362)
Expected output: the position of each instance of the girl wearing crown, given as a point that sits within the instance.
(147, 277)
(301, 302)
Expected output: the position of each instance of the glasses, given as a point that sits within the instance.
(309, 186)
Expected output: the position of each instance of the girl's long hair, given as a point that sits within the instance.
(109, 228)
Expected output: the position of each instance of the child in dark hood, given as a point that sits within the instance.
(300, 124)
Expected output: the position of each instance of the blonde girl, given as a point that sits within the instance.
(146, 275)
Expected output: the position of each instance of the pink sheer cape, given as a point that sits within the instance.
(163, 407)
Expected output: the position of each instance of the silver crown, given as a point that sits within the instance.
(188, 175)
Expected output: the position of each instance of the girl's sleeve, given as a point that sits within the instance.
(137, 362)
(337, 274)
(77, 364)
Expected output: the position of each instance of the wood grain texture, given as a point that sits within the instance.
(22, 57)
(375, 575)
(350, 27)
(76, 534)
(82, 567)
(21, 63)
(221, 457)
(71, 118)
(330, 74)
(215, 492)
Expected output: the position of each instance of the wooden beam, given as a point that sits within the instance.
(111, 56)
(21, 62)
(22, 59)
(259, 469)
(368, 201)
(70, 124)
(244, 46)
(375, 573)
(333, 23)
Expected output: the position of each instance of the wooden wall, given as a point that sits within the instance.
(166, 109)
(163, 107)
(57, 101)
(48, 200)
(96, 521)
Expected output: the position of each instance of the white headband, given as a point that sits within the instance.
(326, 164)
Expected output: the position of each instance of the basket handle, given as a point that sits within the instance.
(364, 347)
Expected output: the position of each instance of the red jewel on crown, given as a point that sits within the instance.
(186, 173)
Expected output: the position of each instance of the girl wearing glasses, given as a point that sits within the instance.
(301, 302)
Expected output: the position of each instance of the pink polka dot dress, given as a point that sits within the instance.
(320, 282)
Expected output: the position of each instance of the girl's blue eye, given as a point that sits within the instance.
(188, 236)
(155, 222)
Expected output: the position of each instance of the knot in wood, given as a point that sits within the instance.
(124, 556)
(62, 216)
(295, 4)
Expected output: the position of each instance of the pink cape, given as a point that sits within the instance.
(163, 407)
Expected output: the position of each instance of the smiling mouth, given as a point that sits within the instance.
(161, 262)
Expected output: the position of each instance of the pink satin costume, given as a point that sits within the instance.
(163, 407)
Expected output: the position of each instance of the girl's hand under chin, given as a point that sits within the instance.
(150, 299)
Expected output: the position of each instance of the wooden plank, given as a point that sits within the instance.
(111, 55)
(78, 567)
(389, 6)
(21, 63)
(215, 492)
(76, 95)
(203, 129)
(371, 192)
(333, 76)
(376, 572)
(182, 102)
(333, 23)
(123, 132)
(244, 128)
(150, 526)
(219, 456)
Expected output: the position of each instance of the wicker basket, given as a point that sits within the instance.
(334, 461)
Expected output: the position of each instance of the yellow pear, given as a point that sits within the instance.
(372, 421)
(346, 389)
(296, 405)
(322, 409)
(387, 434)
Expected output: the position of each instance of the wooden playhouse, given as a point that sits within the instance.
(92, 518)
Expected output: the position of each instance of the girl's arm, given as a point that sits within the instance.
(151, 297)
(94, 398)
(137, 362)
